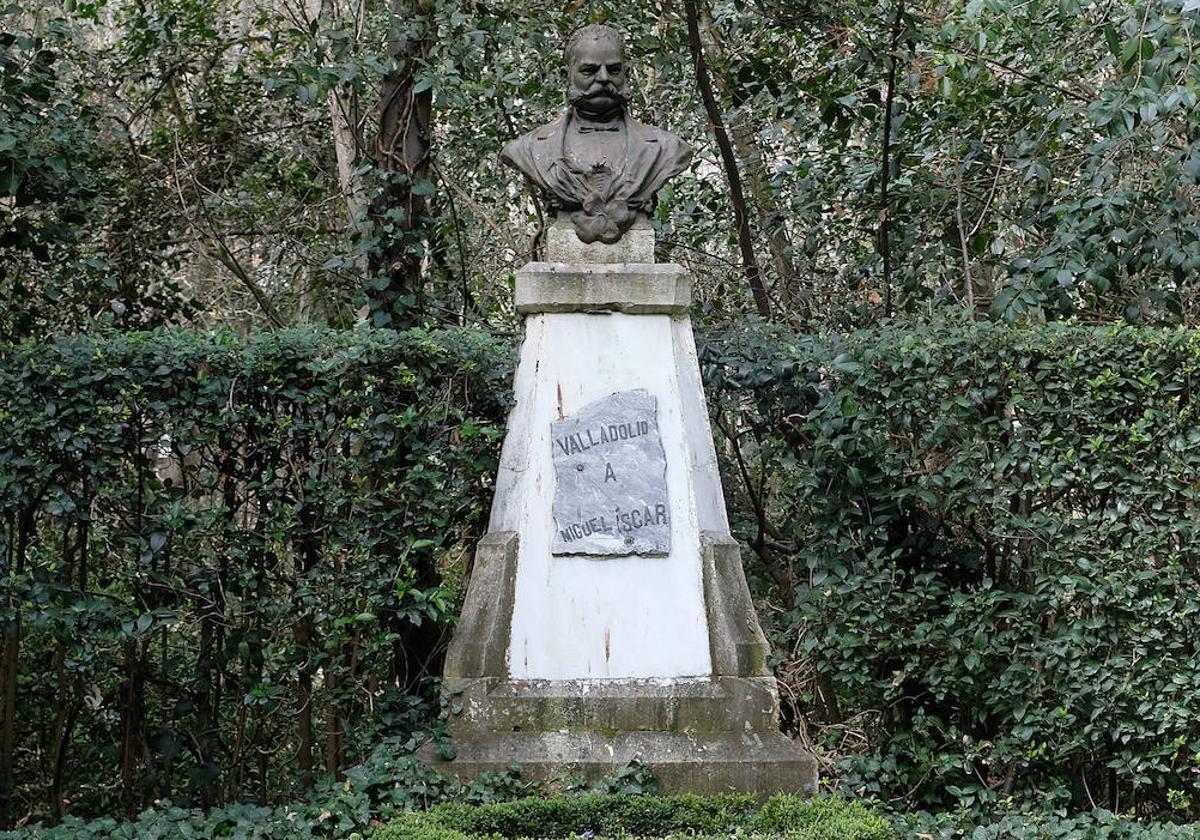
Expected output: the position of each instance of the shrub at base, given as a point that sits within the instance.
(644, 816)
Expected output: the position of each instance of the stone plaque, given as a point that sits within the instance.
(610, 496)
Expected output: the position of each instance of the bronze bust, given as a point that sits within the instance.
(596, 163)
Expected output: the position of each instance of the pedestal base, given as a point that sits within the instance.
(682, 762)
(574, 665)
(706, 705)
(711, 734)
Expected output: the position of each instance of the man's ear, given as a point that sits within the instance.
(562, 72)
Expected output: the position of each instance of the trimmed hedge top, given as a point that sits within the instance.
(597, 816)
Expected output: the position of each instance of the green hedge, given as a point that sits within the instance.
(982, 543)
(1100, 825)
(644, 816)
(230, 564)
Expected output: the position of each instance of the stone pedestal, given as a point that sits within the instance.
(572, 655)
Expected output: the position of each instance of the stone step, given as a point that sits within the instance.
(681, 762)
(706, 704)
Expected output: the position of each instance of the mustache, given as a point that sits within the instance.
(603, 90)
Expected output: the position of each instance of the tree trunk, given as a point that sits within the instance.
(333, 737)
(342, 108)
(741, 218)
(772, 219)
(72, 703)
(10, 660)
(342, 102)
(308, 540)
(394, 288)
(9, 663)
(885, 173)
(206, 739)
(304, 757)
(133, 706)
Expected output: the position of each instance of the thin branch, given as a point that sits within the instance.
(961, 224)
(885, 245)
(988, 201)
(223, 255)
(740, 216)
(475, 206)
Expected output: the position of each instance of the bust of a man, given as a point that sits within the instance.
(595, 163)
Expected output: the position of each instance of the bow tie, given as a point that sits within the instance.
(587, 129)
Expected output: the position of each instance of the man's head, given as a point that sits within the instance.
(597, 78)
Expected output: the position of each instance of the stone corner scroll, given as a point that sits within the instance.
(610, 496)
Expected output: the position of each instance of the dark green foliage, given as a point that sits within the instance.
(978, 543)
(227, 558)
(645, 816)
(1100, 825)
(57, 181)
(1043, 157)
(598, 814)
(983, 540)
(384, 786)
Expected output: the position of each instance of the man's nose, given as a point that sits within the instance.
(602, 74)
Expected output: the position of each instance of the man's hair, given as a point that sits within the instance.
(595, 30)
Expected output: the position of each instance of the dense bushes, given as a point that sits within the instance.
(224, 558)
(229, 563)
(983, 543)
(644, 816)
(384, 786)
(1032, 825)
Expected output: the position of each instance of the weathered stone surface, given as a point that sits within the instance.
(610, 496)
(625, 617)
(737, 642)
(655, 657)
(479, 647)
(698, 735)
(708, 704)
(633, 288)
(563, 245)
(760, 763)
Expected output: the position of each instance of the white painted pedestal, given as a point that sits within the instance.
(581, 663)
(579, 617)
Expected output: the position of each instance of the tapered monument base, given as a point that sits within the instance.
(714, 734)
(589, 639)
